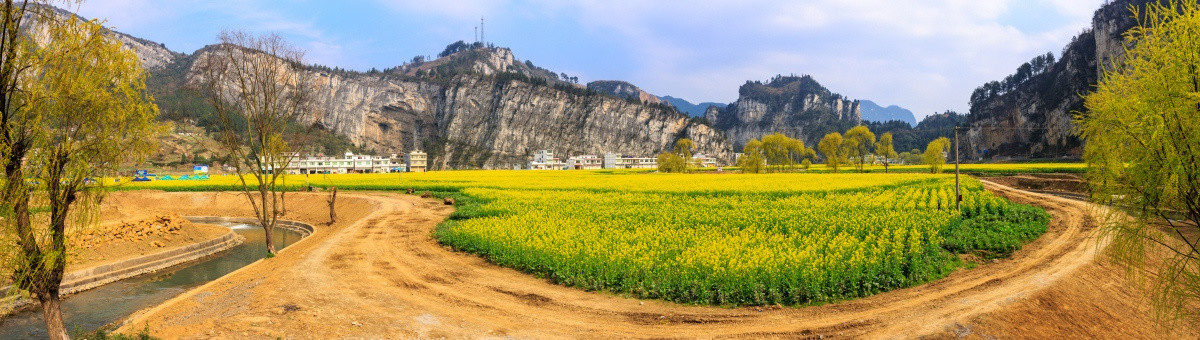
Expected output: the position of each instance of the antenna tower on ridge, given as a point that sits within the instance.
(481, 38)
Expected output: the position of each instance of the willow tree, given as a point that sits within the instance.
(935, 154)
(859, 142)
(884, 149)
(832, 146)
(261, 94)
(753, 157)
(1143, 152)
(85, 112)
(678, 159)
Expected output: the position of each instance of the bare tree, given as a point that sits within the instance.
(332, 200)
(262, 95)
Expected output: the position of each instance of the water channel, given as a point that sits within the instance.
(95, 308)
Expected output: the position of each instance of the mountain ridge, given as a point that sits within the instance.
(694, 110)
(877, 113)
(796, 106)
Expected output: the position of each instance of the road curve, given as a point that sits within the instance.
(379, 274)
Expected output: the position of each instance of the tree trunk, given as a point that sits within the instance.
(332, 203)
(283, 199)
(270, 242)
(52, 313)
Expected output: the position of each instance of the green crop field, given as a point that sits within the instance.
(726, 239)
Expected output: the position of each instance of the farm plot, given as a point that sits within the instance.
(787, 239)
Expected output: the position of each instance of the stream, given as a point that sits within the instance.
(95, 308)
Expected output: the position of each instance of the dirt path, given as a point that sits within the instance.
(379, 274)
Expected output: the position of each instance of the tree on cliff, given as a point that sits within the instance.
(260, 94)
(74, 109)
(832, 147)
(1143, 154)
(859, 142)
(935, 154)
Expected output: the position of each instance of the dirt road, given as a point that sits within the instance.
(379, 274)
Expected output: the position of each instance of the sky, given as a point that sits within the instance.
(923, 55)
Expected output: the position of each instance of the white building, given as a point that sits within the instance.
(545, 160)
(348, 163)
(584, 162)
(700, 160)
(618, 161)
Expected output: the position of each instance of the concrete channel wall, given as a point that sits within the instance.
(84, 279)
(304, 229)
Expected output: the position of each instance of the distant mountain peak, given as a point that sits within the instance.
(694, 110)
(876, 113)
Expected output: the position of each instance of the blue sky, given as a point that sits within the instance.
(924, 55)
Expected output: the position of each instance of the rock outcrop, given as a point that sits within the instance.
(622, 89)
(1035, 119)
(153, 55)
(795, 106)
(694, 110)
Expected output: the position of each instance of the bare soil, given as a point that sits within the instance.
(114, 241)
(378, 274)
(1072, 184)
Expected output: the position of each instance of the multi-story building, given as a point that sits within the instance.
(416, 161)
(348, 163)
(618, 161)
(584, 162)
(545, 160)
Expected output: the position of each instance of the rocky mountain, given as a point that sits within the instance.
(1029, 114)
(875, 113)
(479, 107)
(622, 89)
(152, 55)
(694, 110)
(797, 106)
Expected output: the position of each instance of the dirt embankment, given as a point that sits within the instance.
(1070, 185)
(114, 241)
(377, 274)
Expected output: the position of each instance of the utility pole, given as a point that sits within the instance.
(957, 184)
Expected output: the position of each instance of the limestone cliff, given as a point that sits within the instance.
(1033, 119)
(795, 106)
(490, 111)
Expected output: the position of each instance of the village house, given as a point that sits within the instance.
(347, 164)
(545, 160)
